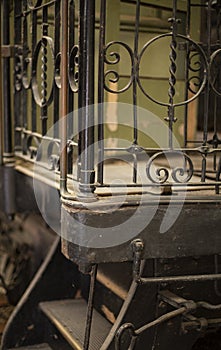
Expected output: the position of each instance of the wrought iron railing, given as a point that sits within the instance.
(68, 56)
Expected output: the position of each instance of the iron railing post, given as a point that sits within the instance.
(6, 81)
(1, 107)
(64, 95)
(86, 96)
(8, 181)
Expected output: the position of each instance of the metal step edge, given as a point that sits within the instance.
(43, 346)
(69, 317)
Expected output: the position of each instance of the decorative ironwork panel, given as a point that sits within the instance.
(133, 91)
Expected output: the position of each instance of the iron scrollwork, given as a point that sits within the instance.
(42, 101)
(73, 68)
(112, 75)
(33, 146)
(27, 63)
(214, 68)
(204, 65)
(53, 154)
(179, 174)
(18, 72)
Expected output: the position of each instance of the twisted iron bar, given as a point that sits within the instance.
(44, 72)
(173, 67)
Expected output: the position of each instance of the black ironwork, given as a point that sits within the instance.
(182, 307)
(90, 308)
(39, 63)
(57, 69)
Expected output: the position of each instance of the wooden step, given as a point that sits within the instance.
(34, 347)
(69, 317)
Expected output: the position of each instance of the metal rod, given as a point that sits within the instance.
(6, 81)
(187, 74)
(161, 319)
(33, 44)
(134, 333)
(57, 19)
(172, 70)
(90, 308)
(71, 42)
(24, 50)
(135, 77)
(100, 177)
(64, 100)
(207, 88)
(136, 40)
(86, 98)
(1, 106)
(18, 70)
(190, 278)
(44, 109)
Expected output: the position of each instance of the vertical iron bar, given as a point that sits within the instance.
(64, 100)
(172, 79)
(6, 81)
(44, 109)
(207, 89)
(86, 98)
(71, 41)
(215, 119)
(24, 52)
(100, 176)
(8, 174)
(215, 137)
(57, 19)
(135, 78)
(187, 72)
(80, 84)
(136, 40)
(18, 68)
(90, 308)
(1, 106)
(33, 44)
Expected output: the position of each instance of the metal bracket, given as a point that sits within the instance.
(190, 322)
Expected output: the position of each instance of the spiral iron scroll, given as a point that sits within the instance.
(114, 58)
(162, 173)
(112, 75)
(73, 68)
(204, 65)
(215, 68)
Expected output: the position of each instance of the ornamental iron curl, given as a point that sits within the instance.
(33, 147)
(192, 82)
(27, 63)
(18, 72)
(194, 65)
(179, 174)
(42, 102)
(112, 75)
(73, 68)
(204, 65)
(53, 155)
(129, 327)
(214, 68)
